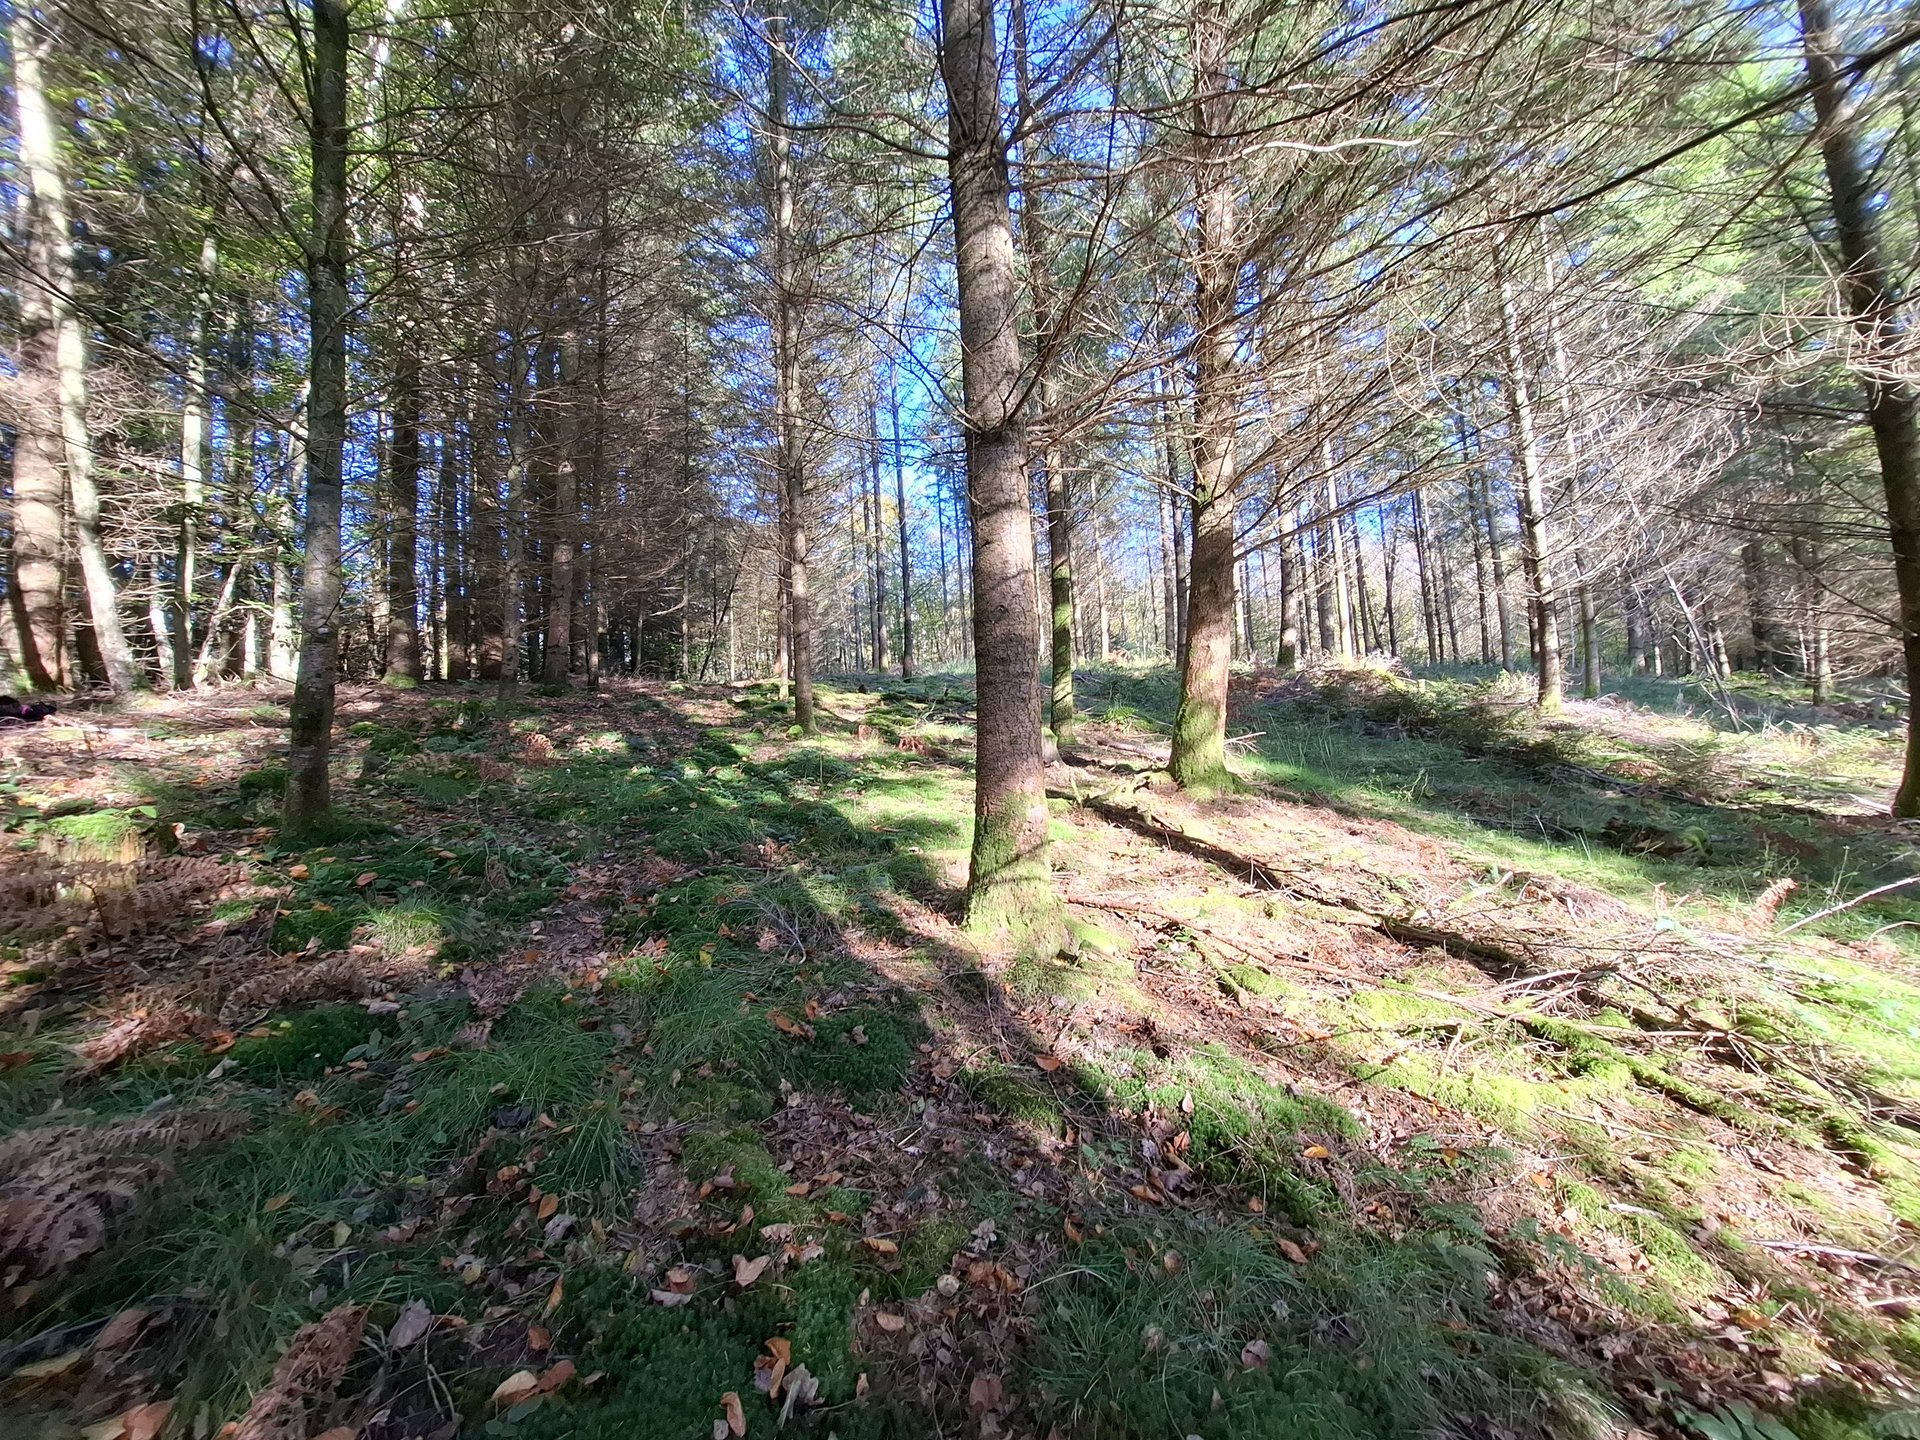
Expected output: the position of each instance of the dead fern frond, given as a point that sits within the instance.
(342, 977)
(1767, 906)
(305, 1375)
(65, 1183)
(145, 1029)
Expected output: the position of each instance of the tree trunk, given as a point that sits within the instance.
(514, 576)
(309, 795)
(49, 246)
(1536, 558)
(195, 419)
(1060, 585)
(403, 533)
(557, 660)
(1009, 888)
(1872, 300)
(1198, 757)
(786, 355)
(900, 521)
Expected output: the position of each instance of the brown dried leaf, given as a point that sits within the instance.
(415, 1321)
(515, 1388)
(121, 1331)
(746, 1271)
(736, 1417)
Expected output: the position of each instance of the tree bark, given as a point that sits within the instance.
(1198, 757)
(557, 659)
(195, 417)
(309, 795)
(900, 521)
(1535, 550)
(49, 245)
(1009, 889)
(1872, 301)
(786, 354)
(403, 533)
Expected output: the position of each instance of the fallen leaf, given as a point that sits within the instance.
(985, 1394)
(554, 1297)
(746, 1271)
(538, 1337)
(880, 1246)
(1316, 1152)
(515, 1388)
(781, 1348)
(121, 1331)
(338, 1432)
(548, 1204)
(278, 1202)
(55, 1371)
(145, 1422)
(366, 878)
(776, 1233)
(1256, 1355)
(736, 1417)
(802, 1188)
(555, 1376)
(681, 1280)
(415, 1320)
(298, 872)
(1048, 1063)
(888, 1321)
(670, 1298)
(1292, 1251)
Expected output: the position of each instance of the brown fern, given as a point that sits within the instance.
(65, 1184)
(304, 1377)
(341, 977)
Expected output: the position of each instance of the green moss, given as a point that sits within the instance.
(1242, 1129)
(115, 836)
(303, 1045)
(863, 1051)
(1020, 1094)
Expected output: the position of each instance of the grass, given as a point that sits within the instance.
(1336, 1269)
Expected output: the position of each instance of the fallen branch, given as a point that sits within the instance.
(1849, 904)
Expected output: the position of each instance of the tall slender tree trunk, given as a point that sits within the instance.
(309, 795)
(514, 576)
(1198, 757)
(49, 246)
(403, 533)
(900, 522)
(458, 662)
(1536, 556)
(1009, 888)
(557, 659)
(1497, 561)
(1872, 301)
(786, 352)
(195, 429)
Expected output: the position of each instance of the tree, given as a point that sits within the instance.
(309, 796)
(57, 349)
(1009, 887)
(1892, 403)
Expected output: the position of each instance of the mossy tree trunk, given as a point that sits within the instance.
(309, 795)
(1009, 890)
(1198, 760)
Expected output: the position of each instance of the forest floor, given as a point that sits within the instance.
(616, 1068)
